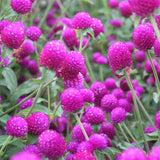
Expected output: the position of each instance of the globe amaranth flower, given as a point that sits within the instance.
(154, 153)
(3, 24)
(148, 66)
(113, 3)
(116, 23)
(84, 155)
(119, 93)
(149, 129)
(110, 83)
(119, 56)
(157, 48)
(140, 56)
(88, 95)
(157, 119)
(85, 145)
(72, 146)
(124, 103)
(125, 9)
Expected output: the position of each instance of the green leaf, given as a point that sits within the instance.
(136, 22)
(32, 139)
(108, 153)
(3, 138)
(39, 100)
(4, 118)
(88, 1)
(156, 97)
(90, 31)
(5, 51)
(59, 112)
(120, 72)
(10, 79)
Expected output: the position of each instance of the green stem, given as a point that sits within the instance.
(82, 128)
(81, 41)
(150, 91)
(37, 54)
(68, 120)
(129, 132)
(89, 67)
(86, 44)
(137, 110)
(101, 72)
(154, 72)
(49, 6)
(54, 112)
(35, 100)
(125, 136)
(49, 101)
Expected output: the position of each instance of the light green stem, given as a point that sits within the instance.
(54, 112)
(81, 41)
(37, 54)
(68, 119)
(101, 72)
(49, 101)
(86, 44)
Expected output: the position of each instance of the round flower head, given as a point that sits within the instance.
(84, 155)
(33, 33)
(140, 89)
(33, 67)
(24, 62)
(110, 83)
(140, 56)
(88, 95)
(87, 79)
(51, 144)
(32, 149)
(12, 36)
(130, 97)
(99, 91)
(95, 115)
(3, 24)
(157, 18)
(69, 37)
(66, 21)
(149, 129)
(154, 153)
(69, 157)
(111, 38)
(37, 123)
(109, 102)
(124, 103)
(96, 55)
(157, 48)
(108, 129)
(101, 60)
(71, 100)
(143, 37)
(113, 3)
(21, 6)
(17, 126)
(125, 9)
(119, 56)
(143, 8)
(97, 26)
(119, 93)
(76, 82)
(151, 81)
(148, 66)
(130, 46)
(26, 104)
(81, 20)
(84, 71)
(26, 49)
(53, 55)
(73, 65)
(157, 120)
(98, 141)
(118, 115)
(133, 154)
(21, 24)
(77, 133)
(25, 156)
(135, 83)
(124, 85)
(85, 145)
(72, 146)
(116, 23)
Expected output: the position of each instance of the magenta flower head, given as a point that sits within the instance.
(108, 129)
(53, 55)
(3, 24)
(140, 89)
(77, 133)
(111, 38)
(143, 8)
(118, 115)
(97, 26)
(25, 156)
(84, 155)
(149, 129)
(99, 91)
(113, 3)
(109, 102)
(51, 144)
(99, 141)
(88, 95)
(133, 154)
(26, 49)
(124, 85)
(157, 48)
(143, 37)
(85, 145)
(124, 103)
(72, 146)
(96, 55)
(101, 60)
(125, 9)
(140, 56)
(151, 81)
(130, 46)
(12, 35)
(66, 21)
(69, 37)
(148, 66)
(130, 97)
(95, 115)
(72, 100)
(76, 82)
(157, 120)
(116, 23)
(21, 6)
(17, 126)
(81, 20)
(157, 18)
(84, 42)
(33, 33)
(119, 93)
(37, 123)
(73, 65)
(110, 83)
(154, 153)
(119, 56)
(26, 104)
(33, 67)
